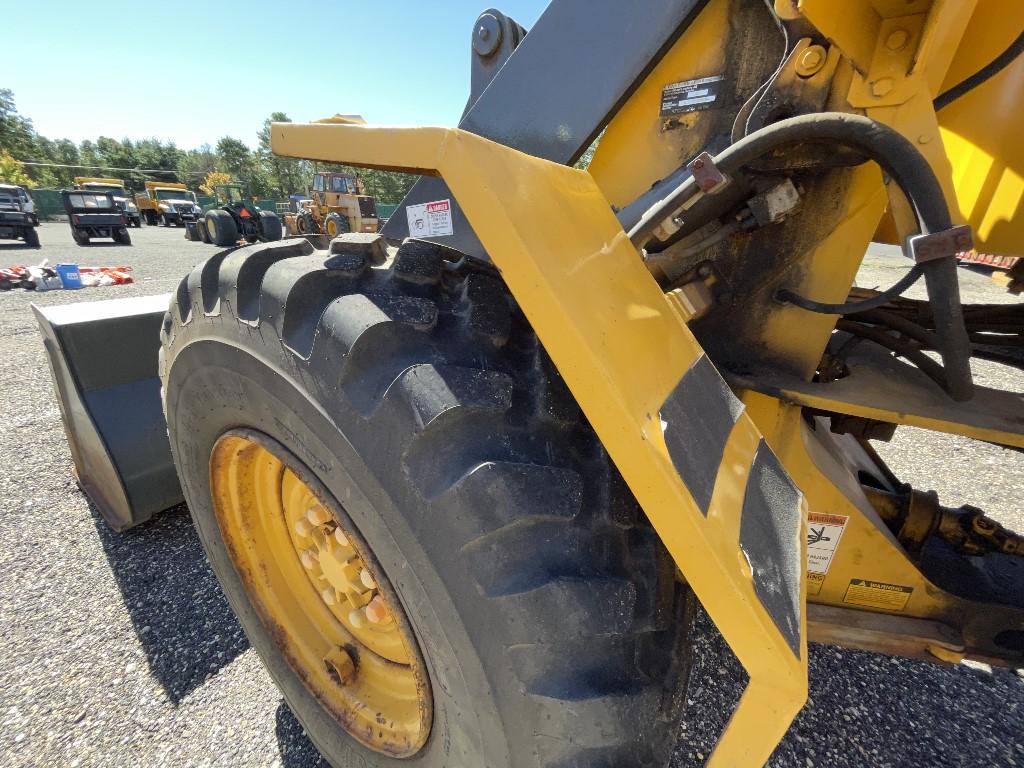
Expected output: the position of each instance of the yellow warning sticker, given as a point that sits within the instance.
(877, 594)
(814, 582)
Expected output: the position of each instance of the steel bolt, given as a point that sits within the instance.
(488, 35)
(367, 579)
(309, 559)
(329, 596)
(896, 39)
(377, 611)
(340, 537)
(303, 527)
(811, 61)
(318, 515)
(357, 618)
(881, 87)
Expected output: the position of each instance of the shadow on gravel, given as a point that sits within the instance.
(296, 750)
(180, 615)
(864, 709)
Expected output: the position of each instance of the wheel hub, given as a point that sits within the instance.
(321, 593)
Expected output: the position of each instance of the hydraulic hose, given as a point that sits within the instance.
(904, 165)
(990, 70)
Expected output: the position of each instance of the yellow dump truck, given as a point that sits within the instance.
(168, 203)
(116, 188)
(464, 489)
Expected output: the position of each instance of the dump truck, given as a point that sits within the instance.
(117, 189)
(168, 203)
(465, 489)
(338, 203)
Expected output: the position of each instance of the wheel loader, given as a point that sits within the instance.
(464, 489)
(338, 204)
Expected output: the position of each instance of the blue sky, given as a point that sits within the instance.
(193, 72)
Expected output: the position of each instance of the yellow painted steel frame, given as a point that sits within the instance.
(622, 350)
(912, 45)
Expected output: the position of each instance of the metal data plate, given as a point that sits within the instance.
(573, 70)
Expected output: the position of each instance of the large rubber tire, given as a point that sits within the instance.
(545, 606)
(222, 228)
(270, 226)
(304, 224)
(80, 237)
(335, 224)
(32, 237)
(122, 237)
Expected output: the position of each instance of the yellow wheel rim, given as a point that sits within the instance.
(332, 227)
(211, 227)
(320, 593)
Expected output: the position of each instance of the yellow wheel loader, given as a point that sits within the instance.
(463, 482)
(338, 204)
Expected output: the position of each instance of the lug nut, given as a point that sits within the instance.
(341, 663)
(303, 527)
(318, 515)
(367, 579)
(357, 618)
(329, 596)
(340, 537)
(309, 559)
(377, 611)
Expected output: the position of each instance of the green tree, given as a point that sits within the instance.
(12, 171)
(236, 159)
(285, 175)
(17, 136)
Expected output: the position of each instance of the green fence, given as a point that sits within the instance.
(48, 204)
(50, 208)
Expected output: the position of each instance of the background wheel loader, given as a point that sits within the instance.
(338, 204)
(463, 490)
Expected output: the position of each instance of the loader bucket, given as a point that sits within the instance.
(103, 358)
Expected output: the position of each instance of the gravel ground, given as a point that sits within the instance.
(120, 649)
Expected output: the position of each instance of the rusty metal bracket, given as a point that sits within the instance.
(940, 245)
(709, 179)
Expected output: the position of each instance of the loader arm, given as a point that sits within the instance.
(727, 511)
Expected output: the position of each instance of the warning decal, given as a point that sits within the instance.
(877, 594)
(823, 535)
(690, 95)
(814, 582)
(430, 219)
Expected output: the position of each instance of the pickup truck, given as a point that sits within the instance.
(17, 215)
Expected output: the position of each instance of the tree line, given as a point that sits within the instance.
(264, 174)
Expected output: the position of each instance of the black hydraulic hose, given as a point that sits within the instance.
(993, 68)
(929, 367)
(854, 307)
(908, 169)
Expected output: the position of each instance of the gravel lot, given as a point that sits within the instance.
(120, 649)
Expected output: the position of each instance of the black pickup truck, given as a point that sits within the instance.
(94, 214)
(17, 223)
